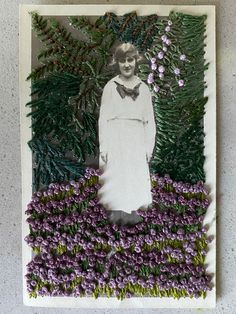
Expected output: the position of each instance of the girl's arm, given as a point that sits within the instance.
(149, 123)
(103, 123)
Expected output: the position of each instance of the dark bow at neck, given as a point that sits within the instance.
(125, 91)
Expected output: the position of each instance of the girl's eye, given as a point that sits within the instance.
(122, 60)
(129, 59)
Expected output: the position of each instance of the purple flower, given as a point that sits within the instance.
(150, 78)
(167, 29)
(33, 283)
(168, 42)
(177, 71)
(160, 55)
(164, 48)
(137, 249)
(154, 66)
(164, 38)
(182, 57)
(209, 239)
(161, 69)
(112, 284)
(156, 88)
(153, 60)
(181, 83)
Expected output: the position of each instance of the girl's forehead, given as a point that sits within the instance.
(128, 55)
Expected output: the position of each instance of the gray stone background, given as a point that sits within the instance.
(10, 178)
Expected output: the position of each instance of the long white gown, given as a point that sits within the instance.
(126, 139)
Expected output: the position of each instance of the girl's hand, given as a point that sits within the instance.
(104, 157)
(148, 157)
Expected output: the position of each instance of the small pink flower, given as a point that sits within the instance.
(164, 38)
(168, 42)
(167, 29)
(150, 78)
(154, 66)
(182, 57)
(160, 55)
(161, 69)
(156, 88)
(137, 249)
(153, 60)
(181, 83)
(177, 71)
(164, 48)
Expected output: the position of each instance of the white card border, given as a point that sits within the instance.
(210, 148)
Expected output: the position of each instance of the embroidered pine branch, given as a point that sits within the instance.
(139, 31)
(98, 37)
(54, 107)
(55, 116)
(94, 33)
(51, 165)
(62, 52)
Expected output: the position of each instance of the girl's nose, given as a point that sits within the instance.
(126, 63)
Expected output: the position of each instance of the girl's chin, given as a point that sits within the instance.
(127, 76)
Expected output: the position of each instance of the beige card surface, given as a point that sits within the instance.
(129, 144)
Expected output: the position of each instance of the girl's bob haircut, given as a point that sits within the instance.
(124, 49)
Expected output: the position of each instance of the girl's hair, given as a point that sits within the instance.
(122, 50)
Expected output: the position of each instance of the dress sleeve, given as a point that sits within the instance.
(103, 120)
(149, 124)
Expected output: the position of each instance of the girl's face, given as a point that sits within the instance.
(127, 65)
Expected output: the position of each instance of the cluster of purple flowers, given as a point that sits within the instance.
(76, 279)
(80, 252)
(159, 61)
(181, 187)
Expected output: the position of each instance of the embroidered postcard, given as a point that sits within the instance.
(118, 129)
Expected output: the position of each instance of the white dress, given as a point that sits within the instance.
(126, 139)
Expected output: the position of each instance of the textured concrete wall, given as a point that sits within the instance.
(10, 179)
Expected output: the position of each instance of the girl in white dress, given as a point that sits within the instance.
(126, 137)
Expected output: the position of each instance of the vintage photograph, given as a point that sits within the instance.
(127, 133)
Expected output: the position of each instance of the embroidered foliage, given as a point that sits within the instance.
(61, 117)
(51, 164)
(138, 30)
(64, 53)
(177, 81)
(66, 91)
